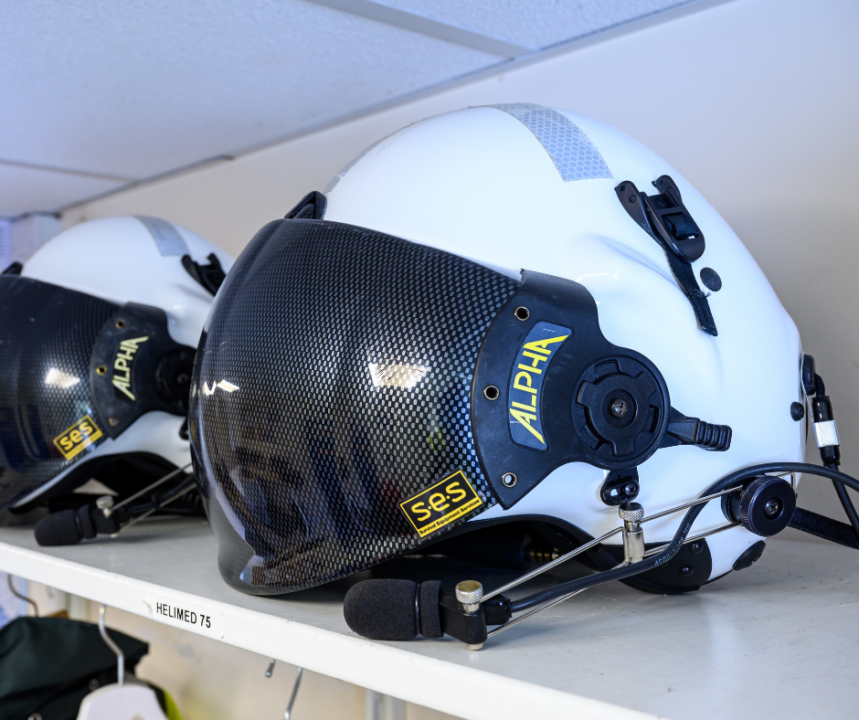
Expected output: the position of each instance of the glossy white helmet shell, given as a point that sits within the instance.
(133, 259)
(525, 187)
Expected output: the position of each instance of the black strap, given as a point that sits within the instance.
(824, 527)
(635, 203)
(686, 279)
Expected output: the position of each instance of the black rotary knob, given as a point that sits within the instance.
(620, 411)
(766, 506)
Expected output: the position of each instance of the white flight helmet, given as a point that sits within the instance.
(522, 186)
(507, 316)
(98, 331)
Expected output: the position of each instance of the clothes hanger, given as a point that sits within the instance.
(20, 596)
(298, 674)
(119, 701)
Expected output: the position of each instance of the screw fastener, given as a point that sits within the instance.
(619, 408)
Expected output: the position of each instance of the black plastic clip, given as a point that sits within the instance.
(311, 207)
(665, 218)
(210, 276)
(664, 215)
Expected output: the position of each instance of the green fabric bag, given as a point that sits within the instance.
(48, 665)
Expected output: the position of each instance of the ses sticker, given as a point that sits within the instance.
(526, 383)
(79, 436)
(441, 504)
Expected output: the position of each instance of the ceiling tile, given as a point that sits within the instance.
(536, 23)
(140, 88)
(29, 190)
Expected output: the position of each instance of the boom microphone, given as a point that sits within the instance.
(69, 527)
(394, 609)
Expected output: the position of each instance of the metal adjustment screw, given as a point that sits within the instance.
(631, 512)
(509, 479)
(633, 536)
(772, 508)
(619, 408)
(105, 503)
(469, 593)
(113, 420)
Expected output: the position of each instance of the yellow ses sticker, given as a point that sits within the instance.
(79, 436)
(441, 504)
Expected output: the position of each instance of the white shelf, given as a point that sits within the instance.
(775, 641)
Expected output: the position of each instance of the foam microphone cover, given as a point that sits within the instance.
(59, 528)
(385, 609)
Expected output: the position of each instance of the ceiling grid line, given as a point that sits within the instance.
(415, 22)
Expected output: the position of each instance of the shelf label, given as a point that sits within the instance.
(196, 618)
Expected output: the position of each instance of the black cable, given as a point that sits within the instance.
(847, 504)
(676, 543)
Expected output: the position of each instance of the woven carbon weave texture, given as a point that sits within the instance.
(47, 334)
(333, 382)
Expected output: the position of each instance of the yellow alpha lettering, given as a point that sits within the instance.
(527, 387)
(67, 443)
(525, 419)
(76, 436)
(86, 428)
(540, 345)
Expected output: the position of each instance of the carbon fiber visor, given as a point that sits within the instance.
(47, 418)
(333, 383)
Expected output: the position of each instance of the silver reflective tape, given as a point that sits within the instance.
(165, 235)
(570, 149)
(331, 185)
(826, 433)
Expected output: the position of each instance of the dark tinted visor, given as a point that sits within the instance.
(47, 418)
(333, 384)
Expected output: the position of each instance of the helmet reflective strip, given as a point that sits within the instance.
(570, 149)
(165, 235)
(336, 179)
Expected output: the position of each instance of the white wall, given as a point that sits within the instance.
(754, 101)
